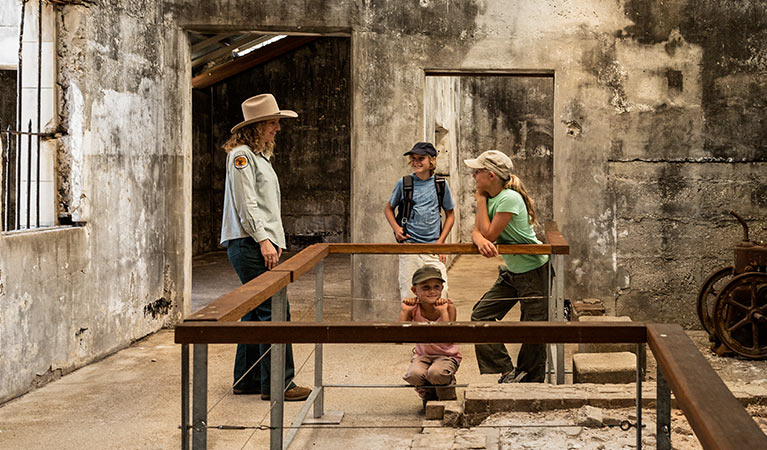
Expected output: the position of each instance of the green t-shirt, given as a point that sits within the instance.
(517, 231)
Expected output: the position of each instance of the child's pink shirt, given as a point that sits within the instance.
(450, 350)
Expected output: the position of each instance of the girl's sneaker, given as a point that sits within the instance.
(513, 377)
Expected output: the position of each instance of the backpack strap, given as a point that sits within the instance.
(439, 184)
(406, 207)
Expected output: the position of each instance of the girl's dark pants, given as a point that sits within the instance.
(509, 289)
(247, 260)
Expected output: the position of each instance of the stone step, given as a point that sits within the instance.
(593, 347)
(448, 411)
(604, 368)
(482, 400)
(456, 438)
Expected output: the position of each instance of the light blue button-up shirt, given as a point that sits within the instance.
(251, 199)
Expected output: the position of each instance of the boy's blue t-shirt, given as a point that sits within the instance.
(424, 223)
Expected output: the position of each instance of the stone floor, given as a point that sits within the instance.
(131, 400)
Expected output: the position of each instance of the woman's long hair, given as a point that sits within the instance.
(515, 183)
(252, 136)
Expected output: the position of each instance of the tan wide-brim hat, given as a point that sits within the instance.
(262, 107)
(494, 161)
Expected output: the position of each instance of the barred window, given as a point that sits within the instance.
(27, 114)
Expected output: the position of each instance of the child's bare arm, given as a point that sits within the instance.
(451, 311)
(448, 225)
(443, 306)
(406, 312)
(389, 213)
(485, 247)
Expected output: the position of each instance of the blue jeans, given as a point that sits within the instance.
(247, 260)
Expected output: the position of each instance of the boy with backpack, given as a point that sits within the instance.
(419, 197)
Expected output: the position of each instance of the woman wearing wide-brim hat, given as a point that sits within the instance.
(252, 232)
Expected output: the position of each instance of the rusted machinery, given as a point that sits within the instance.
(732, 303)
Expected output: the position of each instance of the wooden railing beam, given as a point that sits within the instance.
(376, 332)
(717, 417)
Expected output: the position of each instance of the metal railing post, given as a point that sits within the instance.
(639, 396)
(200, 397)
(184, 396)
(319, 402)
(550, 361)
(663, 413)
(559, 304)
(556, 357)
(277, 378)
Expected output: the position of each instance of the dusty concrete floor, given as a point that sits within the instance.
(131, 400)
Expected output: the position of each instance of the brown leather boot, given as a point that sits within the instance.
(294, 394)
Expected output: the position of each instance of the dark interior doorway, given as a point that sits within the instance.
(312, 155)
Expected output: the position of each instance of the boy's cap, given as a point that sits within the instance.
(423, 148)
(494, 161)
(426, 273)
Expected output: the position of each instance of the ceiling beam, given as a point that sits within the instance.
(254, 58)
(211, 40)
(246, 40)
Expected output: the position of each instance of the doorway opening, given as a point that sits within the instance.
(467, 113)
(307, 74)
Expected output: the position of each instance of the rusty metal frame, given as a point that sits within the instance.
(718, 419)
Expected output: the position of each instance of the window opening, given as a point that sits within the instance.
(27, 154)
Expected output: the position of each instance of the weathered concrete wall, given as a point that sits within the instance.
(73, 295)
(657, 128)
(515, 115)
(312, 157)
(644, 95)
(696, 149)
(442, 98)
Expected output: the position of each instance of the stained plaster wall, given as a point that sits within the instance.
(658, 125)
(513, 114)
(442, 99)
(649, 98)
(71, 295)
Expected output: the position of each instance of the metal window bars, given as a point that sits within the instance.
(17, 186)
(19, 182)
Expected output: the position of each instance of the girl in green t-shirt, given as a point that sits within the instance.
(506, 214)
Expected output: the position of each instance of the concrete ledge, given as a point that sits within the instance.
(435, 438)
(619, 367)
(452, 415)
(462, 438)
(482, 400)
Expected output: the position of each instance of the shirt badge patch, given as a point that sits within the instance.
(241, 162)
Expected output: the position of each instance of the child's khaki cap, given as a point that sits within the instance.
(494, 161)
(426, 273)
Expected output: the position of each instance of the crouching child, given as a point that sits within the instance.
(432, 364)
